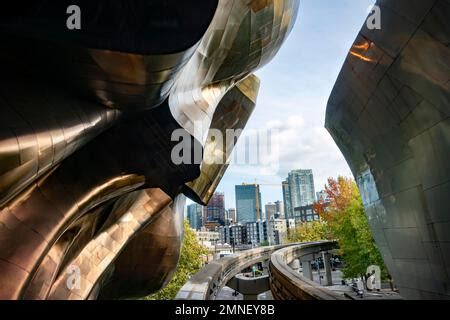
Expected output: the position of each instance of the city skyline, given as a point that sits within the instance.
(294, 99)
(300, 179)
(273, 199)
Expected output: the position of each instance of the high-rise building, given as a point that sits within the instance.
(271, 210)
(231, 216)
(256, 232)
(298, 191)
(224, 234)
(195, 216)
(287, 200)
(238, 235)
(248, 203)
(305, 214)
(215, 210)
(279, 208)
(276, 229)
(234, 235)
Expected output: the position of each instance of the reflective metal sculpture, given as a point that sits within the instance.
(91, 203)
(389, 114)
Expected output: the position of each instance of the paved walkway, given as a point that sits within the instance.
(227, 293)
(345, 290)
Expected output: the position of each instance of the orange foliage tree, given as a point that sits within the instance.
(339, 194)
(343, 212)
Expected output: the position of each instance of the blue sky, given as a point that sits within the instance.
(295, 87)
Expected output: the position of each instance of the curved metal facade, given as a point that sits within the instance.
(87, 185)
(389, 114)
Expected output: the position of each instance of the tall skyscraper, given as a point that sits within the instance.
(215, 210)
(248, 203)
(288, 213)
(298, 191)
(195, 216)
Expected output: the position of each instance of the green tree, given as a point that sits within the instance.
(344, 214)
(190, 262)
(265, 244)
(309, 231)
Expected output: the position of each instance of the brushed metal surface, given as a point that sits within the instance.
(87, 182)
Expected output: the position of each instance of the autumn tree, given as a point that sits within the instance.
(190, 262)
(343, 212)
(339, 194)
(309, 231)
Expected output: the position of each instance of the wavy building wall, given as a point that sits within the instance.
(87, 185)
(389, 114)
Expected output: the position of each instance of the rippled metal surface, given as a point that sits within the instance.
(232, 113)
(389, 114)
(243, 36)
(88, 188)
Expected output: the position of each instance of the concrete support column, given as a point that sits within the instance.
(265, 265)
(326, 256)
(307, 270)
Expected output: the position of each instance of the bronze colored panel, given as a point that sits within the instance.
(86, 122)
(159, 242)
(99, 254)
(243, 36)
(232, 113)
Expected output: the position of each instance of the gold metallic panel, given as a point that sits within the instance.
(39, 127)
(87, 181)
(41, 121)
(148, 208)
(149, 260)
(243, 36)
(31, 226)
(233, 112)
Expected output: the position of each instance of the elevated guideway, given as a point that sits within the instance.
(283, 279)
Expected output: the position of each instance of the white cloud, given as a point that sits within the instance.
(300, 145)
